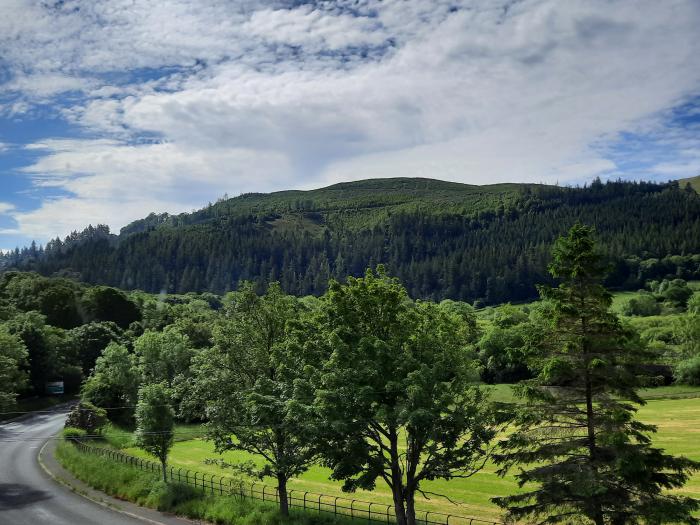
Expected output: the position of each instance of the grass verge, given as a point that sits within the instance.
(146, 489)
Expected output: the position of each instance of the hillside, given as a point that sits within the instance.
(443, 239)
(352, 205)
(693, 181)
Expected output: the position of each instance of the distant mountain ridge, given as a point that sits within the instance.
(442, 239)
(384, 196)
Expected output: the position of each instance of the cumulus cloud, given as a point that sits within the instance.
(186, 100)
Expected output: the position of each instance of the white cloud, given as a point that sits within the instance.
(6, 207)
(113, 183)
(262, 97)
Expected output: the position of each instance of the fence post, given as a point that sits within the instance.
(335, 506)
(352, 512)
(388, 507)
(305, 493)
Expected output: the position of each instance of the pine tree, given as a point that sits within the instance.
(584, 453)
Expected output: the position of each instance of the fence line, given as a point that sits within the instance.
(368, 511)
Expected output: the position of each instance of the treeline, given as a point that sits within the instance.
(488, 255)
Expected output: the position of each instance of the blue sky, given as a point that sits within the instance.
(111, 109)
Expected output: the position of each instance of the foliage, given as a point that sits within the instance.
(687, 372)
(397, 370)
(676, 292)
(694, 304)
(585, 454)
(48, 348)
(114, 383)
(92, 339)
(504, 355)
(87, 417)
(687, 334)
(466, 313)
(13, 379)
(643, 305)
(103, 303)
(155, 420)
(246, 383)
(70, 433)
(163, 356)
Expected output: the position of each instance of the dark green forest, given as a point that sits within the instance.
(483, 244)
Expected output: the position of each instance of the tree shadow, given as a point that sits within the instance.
(16, 496)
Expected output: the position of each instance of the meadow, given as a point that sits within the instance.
(675, 410)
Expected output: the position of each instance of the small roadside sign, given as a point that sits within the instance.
(54, 387)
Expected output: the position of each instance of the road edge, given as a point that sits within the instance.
(83, 490)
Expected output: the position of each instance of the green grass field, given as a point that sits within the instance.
(672, 409)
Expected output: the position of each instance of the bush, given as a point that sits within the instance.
(87, 417)
(166, 496)
(675, 292)
(688, 371)
(694, 304)
(644, 305)
(72, 434)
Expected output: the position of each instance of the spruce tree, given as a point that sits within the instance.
(583, 455)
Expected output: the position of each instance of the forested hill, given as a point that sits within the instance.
(442, 239)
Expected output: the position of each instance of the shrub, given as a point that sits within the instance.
(688, 371)
(72, 434)
(87, 417)
(694, 304)
(643, 305)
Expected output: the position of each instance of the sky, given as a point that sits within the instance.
(112, 109)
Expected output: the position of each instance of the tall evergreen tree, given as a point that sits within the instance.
(583, 451)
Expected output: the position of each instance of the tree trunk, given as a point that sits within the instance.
(596, 510)
(282, 492)
(399, 509)
(396, 479)
(165, 470)
(410, 507)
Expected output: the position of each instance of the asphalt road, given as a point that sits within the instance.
(28, 496)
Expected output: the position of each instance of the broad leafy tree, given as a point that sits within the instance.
(91, 339)
(246, 383)
(114, 383)
(394, 399)
(582, 453)
(13, 379)
(163, 356)
(155, 421)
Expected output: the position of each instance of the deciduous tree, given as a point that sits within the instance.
(394, 399)
(155, 420)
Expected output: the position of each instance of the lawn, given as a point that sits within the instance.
(676, 415)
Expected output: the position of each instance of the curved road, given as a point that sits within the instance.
(28, 496)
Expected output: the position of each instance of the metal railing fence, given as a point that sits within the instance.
(368, 511)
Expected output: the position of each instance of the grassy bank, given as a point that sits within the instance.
(146, 489)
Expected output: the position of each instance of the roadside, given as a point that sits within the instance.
(50, 465)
